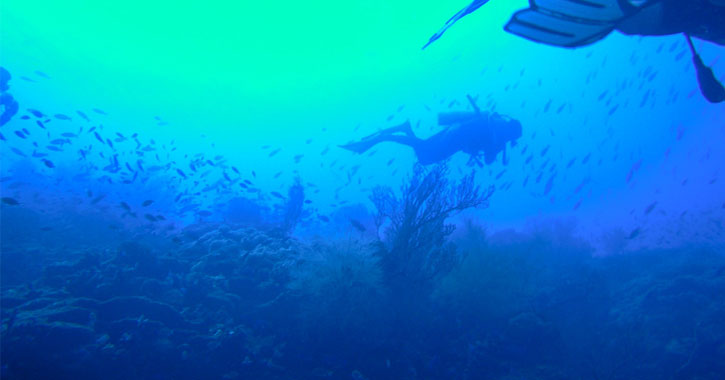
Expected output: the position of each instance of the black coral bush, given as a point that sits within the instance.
(416, 251)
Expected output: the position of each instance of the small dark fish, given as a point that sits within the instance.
(549, 184)
(577, 204)
(20, 134)
(323, 218)
(10, 201)
(147, 203)
(150, 217)
(98, 137)
(278, 195)
(41, 74)
(571, 162)
(650, 208)
(635, 232)
(60, 116)
(125, 206)
(83, 115)
(254, 175)
(586, 158)
(274, 152)
(181, 173)
(40, 124)
(581, 185)
(68, 134)
(98, 199)
(3, 137)
(633, 169)
(546, 149)
(99, 111)
(54, 148)
(35, 113)
(18, 152)
(307, 201)
(48, 163)
(499, 175)
(358, 226)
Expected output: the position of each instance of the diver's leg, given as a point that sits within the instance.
(388, 134)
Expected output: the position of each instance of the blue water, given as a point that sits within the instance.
(137, 243)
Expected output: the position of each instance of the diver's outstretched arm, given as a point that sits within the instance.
(392, 134)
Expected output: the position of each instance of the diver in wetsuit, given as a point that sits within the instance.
(575, 23)
(474, 133)
(8, 103)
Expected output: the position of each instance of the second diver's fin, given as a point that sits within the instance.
(710, 87)
(568, 23)
(468, 9)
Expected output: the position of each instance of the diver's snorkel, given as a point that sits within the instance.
(710, 87)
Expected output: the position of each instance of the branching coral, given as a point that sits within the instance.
(417, 231)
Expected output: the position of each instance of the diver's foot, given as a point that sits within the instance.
(378, 137)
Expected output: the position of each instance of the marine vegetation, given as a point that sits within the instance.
(416, 251)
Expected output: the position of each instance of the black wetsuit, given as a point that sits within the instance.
(698, 18)
(469, 133)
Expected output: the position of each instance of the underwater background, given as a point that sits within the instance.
(176, 203)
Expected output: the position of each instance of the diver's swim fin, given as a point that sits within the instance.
(710, 87)
(470, 8)
(368, 142)
(568, 23)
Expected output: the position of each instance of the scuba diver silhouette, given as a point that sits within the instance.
(474, 133)
(9, 104)
(575, 23)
